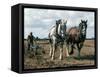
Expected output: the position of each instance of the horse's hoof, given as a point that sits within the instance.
(52, 58)
(60, 58)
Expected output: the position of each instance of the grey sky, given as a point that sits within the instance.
(39, 21)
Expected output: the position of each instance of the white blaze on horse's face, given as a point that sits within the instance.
(62, 27)
(59, 29)
(84, 26)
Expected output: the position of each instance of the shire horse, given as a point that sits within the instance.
(76, 36)
(57, 37)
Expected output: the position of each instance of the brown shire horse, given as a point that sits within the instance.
(76, 36)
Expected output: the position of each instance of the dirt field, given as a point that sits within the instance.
(41, 59)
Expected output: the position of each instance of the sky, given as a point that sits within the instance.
(40, 21)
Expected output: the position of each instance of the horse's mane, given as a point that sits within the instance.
(52, 28)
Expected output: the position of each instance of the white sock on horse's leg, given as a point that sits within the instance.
(50, 53)
(67, 50)
(52, 56)
(61, 52)
(53, 53)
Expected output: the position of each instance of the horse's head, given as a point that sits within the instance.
(58, 22)
(83, 27)
(62, 27)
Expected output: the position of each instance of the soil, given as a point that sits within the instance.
(40, 58)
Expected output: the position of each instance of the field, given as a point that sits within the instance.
(41, 59)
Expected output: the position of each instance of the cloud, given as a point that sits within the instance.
(39, 21)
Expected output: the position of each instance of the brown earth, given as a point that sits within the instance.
(41, 58)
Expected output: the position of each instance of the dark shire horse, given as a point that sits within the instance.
(76, 36)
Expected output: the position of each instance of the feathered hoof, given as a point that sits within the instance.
(60, 58)
(52, 58)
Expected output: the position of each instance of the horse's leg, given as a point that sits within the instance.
(61, 52)
(54, 42)
(53, 52)
(67, 50)
(79, 46)
(50, 53)
(51, 48)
